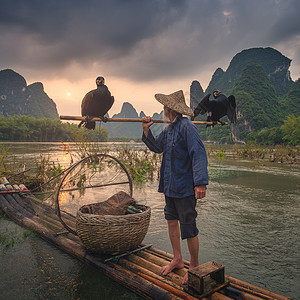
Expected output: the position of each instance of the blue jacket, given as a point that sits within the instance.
(184, 163)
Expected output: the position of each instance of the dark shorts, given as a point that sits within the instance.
(184, 210)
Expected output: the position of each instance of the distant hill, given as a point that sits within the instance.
(196, 94)
(18, 98)
(130, 129)
(124, 129)
(291, 102)
(272, 61)
(259, 78)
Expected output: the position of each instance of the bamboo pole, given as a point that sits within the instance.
(168, 287)
(160, 262)
(154, 268)
(249, 286)
(255, 293)
(136, 120)
(165, 255)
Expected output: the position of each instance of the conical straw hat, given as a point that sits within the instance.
(175, 102)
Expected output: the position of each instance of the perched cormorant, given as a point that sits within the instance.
(96, 103)
(217, 108)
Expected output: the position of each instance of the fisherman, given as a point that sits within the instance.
(183, 175)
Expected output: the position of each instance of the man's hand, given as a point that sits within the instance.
(200, 191)
(146, 123)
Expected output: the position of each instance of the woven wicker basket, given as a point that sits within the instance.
(113, 234)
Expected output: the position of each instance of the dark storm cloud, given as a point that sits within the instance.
(141, 40)
(287, 23)
(85, 29)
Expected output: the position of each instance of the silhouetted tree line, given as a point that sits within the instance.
(29, 129)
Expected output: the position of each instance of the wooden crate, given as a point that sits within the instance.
(206, 278)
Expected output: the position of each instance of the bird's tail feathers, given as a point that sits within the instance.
(231, 99)
(89, 125)
(231, 111)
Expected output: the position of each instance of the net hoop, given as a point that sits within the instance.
(58, 211)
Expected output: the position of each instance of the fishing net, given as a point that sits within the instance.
(92, 179)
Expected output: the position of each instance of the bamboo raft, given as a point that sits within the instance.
(139, 271)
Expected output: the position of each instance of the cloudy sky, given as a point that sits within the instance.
(141, 47)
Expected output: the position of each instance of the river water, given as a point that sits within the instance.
(249, 222)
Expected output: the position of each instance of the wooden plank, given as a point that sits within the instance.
(206, 269)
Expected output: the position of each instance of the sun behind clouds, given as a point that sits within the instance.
(68, 94)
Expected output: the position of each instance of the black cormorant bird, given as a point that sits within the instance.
(96, 103)
(217, 108)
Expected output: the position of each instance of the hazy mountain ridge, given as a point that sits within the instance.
(18, 98)
(130, 129)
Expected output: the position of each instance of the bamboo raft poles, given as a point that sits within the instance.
(139, 272)
(135, 120)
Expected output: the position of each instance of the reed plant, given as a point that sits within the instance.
(6, 241)
(15, 169)
(142, 165)
(278, 154)
(9, 239)
(10, 164)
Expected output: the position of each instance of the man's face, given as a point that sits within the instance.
(166, 116)
(166, 111)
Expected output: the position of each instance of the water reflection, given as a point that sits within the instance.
(35, 269)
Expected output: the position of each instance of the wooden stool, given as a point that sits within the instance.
(206, 278)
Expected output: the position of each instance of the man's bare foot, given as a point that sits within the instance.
(174, 264)
(185, 277)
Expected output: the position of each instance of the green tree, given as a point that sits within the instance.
(22, 128)
(291, 130)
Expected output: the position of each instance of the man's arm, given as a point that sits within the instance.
(146, 123)
(154, 144)
(199, 160)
